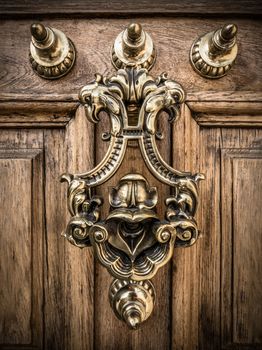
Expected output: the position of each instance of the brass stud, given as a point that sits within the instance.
(52, 54)
(133, 47)
(213, 54)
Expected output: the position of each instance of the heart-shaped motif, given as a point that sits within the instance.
(132, 236)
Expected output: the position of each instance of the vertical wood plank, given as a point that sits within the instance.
(241, 228)
(209, 245)
(55, 220)
(37, 203)
(79, 263)
(247, 247)
(185, 286)
(15, 263)
(22, 236)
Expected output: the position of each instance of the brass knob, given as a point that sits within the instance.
(133, 47)
(52, 54)
(213, 54)
(132, 301)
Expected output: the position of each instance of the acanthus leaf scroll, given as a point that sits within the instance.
(132, 242)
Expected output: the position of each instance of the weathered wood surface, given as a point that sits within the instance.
(117, 7)
(241, 226)
(209, 295)
(93, 39)
(207, 313)
(21, 237)
(69, 271)
(79, 263)
(185, 263)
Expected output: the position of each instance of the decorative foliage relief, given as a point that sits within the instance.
(132, 242)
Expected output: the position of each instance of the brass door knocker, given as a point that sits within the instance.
(132, 242)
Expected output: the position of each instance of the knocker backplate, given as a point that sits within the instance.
(132, 241)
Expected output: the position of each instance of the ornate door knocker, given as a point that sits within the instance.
(132, 242)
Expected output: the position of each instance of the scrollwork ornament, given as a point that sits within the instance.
(132, 241)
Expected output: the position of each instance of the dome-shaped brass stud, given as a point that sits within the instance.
(52, 54)
(213, 54)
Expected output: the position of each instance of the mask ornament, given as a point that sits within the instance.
(132, 242)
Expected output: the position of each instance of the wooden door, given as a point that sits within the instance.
(54, 295)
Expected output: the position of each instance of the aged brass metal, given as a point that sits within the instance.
(213, 54)
(132, 301)
(52, 54)
(133, 47)
(132, 242)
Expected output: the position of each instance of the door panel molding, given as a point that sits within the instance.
(241, 178)
(31, 111)
(242, 109)
(225, 120)
(22, 297)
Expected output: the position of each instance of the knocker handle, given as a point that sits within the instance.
(132, 241)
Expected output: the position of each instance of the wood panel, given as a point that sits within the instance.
(18, 111)
(173, 38)
(198, 306)
(68, 270)
(55, 219)
(116, 7)
(185, 262)
(21, 235)
(209, 295)
(79, 263)
(241, 247)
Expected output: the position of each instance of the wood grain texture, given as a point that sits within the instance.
(209, 295)
(241, 227)
(225, 120)
(35, 113)
(116, 7)
(198, 302)
(185, 262)
(21, 265)
(93, 40)
(55, 218)
(68, 271)
(79, 263)
(247, 247)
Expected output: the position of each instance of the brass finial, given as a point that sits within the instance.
(52, 54)
(132, 301)
(213, 54)
(228, 32)
(133, 319)
(38, 31)
(134, 31)
(223, 40)
(134, 40)
(133, 47)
